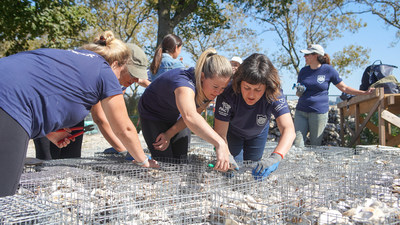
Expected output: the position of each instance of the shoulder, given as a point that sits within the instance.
(169, 62)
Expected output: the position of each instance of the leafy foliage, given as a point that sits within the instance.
(309, 22)
(236, 38)
(54, 24)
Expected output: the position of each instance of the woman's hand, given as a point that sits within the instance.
(369, 91)
(223, 162)
(150, 163)
(60, 138)
(162, 142)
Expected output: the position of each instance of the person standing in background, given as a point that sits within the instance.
(165, 57)
(235, 63)
(312, 108)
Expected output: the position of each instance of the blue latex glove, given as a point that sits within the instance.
(110, 151)
(300, 89)
(130, 158)
(113, 151)
(265, 167)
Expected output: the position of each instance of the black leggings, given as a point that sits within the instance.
(13, 147)
(46, 150)
(179, 144)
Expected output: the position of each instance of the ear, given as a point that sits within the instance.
(202, 77)
(114, 64)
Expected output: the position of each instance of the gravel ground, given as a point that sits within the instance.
(91, 144)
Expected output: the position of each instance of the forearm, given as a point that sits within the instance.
(288, 134)
(352, 91)
(285, 142)
(180, 125)
(176, 128)
(111, 138)
(130, 140)
(201, 128)
(349, 90)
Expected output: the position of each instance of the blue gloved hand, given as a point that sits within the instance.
(266, 167)
(110, 150)
(300, 89)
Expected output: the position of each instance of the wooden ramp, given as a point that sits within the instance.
(387, 106)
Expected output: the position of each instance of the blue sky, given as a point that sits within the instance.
(376, 36)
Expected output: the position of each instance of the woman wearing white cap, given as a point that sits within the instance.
(235, 63)
(312, 108)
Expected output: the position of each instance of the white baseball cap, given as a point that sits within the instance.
(237, 59)
(314, 48)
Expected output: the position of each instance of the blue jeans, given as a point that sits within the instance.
(314, 123)
(251, 149)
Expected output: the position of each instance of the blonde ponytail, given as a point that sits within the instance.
(110, 48)
(211, 65)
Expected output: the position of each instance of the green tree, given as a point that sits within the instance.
(315, 21)
(131, 20)
(28, 24)
(205, 15)
(238, 40)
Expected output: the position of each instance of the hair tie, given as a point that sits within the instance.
(211, 54)
(102, 41)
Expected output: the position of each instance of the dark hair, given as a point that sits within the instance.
(168, 45)
(258, 69)
(324, 59)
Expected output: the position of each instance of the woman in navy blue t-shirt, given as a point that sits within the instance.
(312, 108)
(184, 93)
(244, 109)
(45, 90)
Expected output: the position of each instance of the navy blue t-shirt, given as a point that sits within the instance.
(158, 100)
(48, 89)
(247, 121)
(315, 98)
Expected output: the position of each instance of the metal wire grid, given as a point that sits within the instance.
(116, 192)
(256, 203)
(21, 210)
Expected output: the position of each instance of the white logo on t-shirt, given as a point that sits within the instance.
(321, 79)
(224, 109)
(83, 53)
(261, 119)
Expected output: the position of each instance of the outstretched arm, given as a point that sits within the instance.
(163, 140)
(184, 97)
(104, 126)
(117, 115)
(349, 90)
(286, 128)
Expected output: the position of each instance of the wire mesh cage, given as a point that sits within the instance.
(312, 185)
(21, 210)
